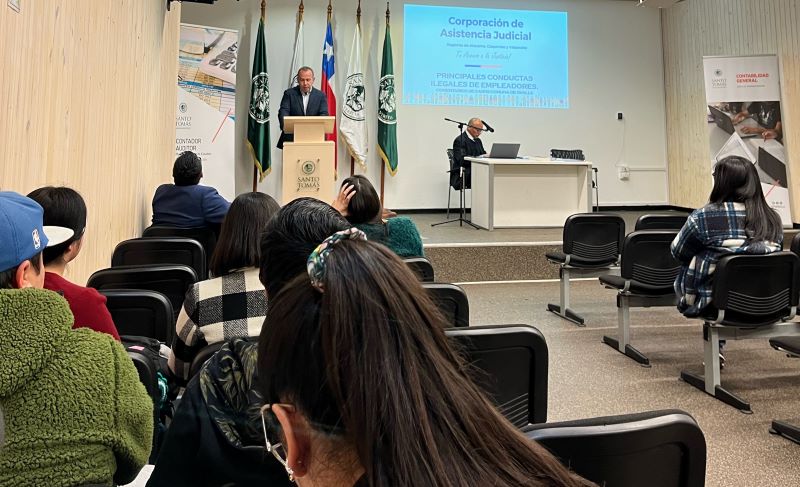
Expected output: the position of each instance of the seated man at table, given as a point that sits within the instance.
(468, 144)
(187, 203)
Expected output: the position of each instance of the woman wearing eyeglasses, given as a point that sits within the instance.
(361, 387)
(65, 207)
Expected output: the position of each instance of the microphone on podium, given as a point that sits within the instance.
(488, 127)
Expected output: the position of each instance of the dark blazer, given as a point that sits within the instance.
(292, 106)
(188, 206)
(463, 147)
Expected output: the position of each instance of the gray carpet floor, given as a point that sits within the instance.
(589, 379)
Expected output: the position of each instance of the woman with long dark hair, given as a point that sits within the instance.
(231, 304)
(737, 219)
(360, 204)
(362, 388)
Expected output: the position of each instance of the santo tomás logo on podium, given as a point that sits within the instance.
(308, 180)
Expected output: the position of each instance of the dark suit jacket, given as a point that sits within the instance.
(292, 106)
(463, 147)
(188, 206)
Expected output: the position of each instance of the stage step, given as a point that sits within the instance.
(513, 261)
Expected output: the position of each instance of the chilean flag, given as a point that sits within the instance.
(327, 87)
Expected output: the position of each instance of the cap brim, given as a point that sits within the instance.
(56, 235)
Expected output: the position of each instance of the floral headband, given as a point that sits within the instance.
(316, 261)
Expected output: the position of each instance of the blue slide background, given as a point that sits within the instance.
(529, 71)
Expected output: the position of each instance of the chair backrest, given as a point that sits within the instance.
(451, 300)
(756, 290)
(205, 235)
(148, 375)
(170, 280)
(161, 250)
(795, 246)
(422, 268)
(455, 173)
(647, 259)
(511, 367)
(141, 312)
(202, 357)
(661, 221)
(594, 237)
(657, 449)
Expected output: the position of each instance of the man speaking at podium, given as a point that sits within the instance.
(302, 100)
(468, 144)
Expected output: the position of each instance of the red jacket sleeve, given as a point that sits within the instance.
(91, 312)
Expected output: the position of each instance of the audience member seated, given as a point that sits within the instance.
(330, 419)
(737, 219)
(233, 303)
(216, 437)
(65, 207)
(75, 411)
(187, 203)
(359, 203)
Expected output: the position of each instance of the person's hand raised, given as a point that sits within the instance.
(342, 200)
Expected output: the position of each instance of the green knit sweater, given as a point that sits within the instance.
(74, 408)
(398, 233)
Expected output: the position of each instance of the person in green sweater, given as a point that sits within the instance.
(359, 203)
(75, 412)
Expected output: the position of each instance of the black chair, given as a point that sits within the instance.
(656, 449)
(148, 376)
(592, 244)
(202, 357)
(422, 268)
(511, 363)
(647, 275)
(207, 236)
(791, 346)
(451, 300)
(795, 245)
(754, 295)
(140, 312)
(661, 221)
(170, 280)
(164, 250)
(457, 182)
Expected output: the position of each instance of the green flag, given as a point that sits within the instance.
(258, 120)
(387, 115)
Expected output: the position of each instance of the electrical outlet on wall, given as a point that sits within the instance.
(619, 116)
(623, 172)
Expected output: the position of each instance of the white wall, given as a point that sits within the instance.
(615, 65)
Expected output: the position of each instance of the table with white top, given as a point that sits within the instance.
(528, 191)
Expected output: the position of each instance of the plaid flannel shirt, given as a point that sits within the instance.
(710, 233)
(216, 310)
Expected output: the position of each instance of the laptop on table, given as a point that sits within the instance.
(773, 166)
(504, 151)
(725, 122)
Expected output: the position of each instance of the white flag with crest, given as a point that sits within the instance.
(297, 57)
(353, 122)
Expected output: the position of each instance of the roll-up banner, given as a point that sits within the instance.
(206, 111)
(743, 98)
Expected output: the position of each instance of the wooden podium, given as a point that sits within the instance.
(308, 162)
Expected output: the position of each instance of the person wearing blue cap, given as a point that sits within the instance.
(75, 412)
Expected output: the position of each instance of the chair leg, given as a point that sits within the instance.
(623, 343)
(710, 381)
(786, 430)
(449, 192)
(562, 309)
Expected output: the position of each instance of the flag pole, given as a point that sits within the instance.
(358, 26)
(255, 170)
(383, 169)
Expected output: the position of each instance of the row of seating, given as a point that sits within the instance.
(510, 362)
(755, 296)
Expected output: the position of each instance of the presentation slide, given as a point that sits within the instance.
(485, 57)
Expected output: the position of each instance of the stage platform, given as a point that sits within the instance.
(463, 254)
